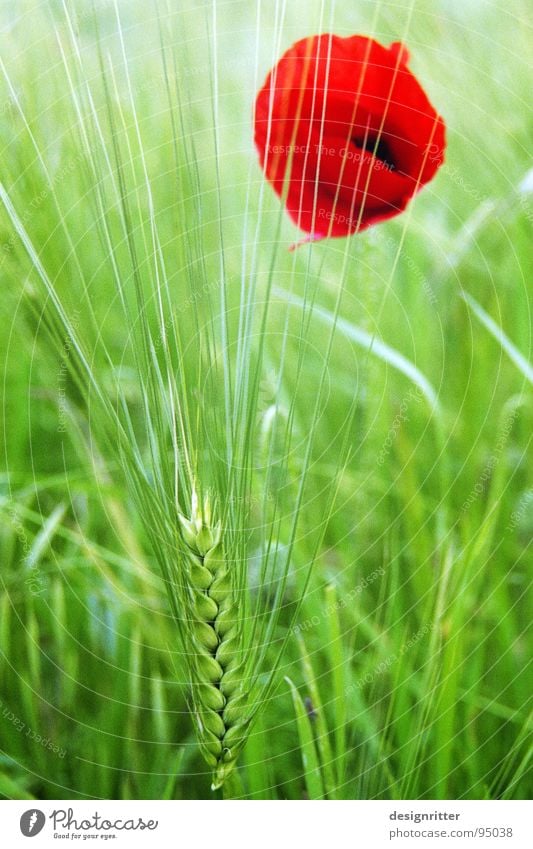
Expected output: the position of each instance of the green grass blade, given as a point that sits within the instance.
(522, 364)
(367, 341)
(310, 762)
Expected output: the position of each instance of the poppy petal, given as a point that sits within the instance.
(345, 133)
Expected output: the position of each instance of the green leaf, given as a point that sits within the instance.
(311, 766)
(496, 331)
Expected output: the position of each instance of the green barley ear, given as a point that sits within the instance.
(216, 657)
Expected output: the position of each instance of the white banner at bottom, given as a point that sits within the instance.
(267, 825)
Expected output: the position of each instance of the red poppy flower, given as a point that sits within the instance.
(345, 133)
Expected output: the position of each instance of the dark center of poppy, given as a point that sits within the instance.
(379, 148)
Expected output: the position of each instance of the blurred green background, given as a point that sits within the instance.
(411, 652)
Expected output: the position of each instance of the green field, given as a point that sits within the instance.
(360, 410)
